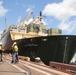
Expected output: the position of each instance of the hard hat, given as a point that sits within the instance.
(0, 43)
(14, 43)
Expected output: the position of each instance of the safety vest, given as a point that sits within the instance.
(15, 48)
(0, 47)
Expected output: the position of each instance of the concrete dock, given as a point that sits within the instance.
(26, 68)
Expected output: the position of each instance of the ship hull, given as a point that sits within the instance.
(60, 48)
(6, 41)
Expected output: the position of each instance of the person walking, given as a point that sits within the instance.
(15, 53)
(1, 50)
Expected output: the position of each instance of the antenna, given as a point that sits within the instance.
(40, 13)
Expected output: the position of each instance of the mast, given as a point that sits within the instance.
(6, 23)
(18, 21)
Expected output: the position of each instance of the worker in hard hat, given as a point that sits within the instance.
(15, 53)
(1, 49)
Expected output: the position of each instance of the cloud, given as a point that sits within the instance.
(62, 10)
(30, 8)
(68, 26)
(3, 11)
(44, 22)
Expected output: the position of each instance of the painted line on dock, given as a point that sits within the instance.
(49, 69)
(46, 73)
(18, 68)
(43, 72)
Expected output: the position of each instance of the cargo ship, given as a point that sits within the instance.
(21, 31)
(35, 41)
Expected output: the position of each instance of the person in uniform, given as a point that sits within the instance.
(15, 53)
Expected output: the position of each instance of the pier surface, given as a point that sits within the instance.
(26, 68)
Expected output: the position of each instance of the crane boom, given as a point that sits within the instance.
(27, 18)
(18, 21)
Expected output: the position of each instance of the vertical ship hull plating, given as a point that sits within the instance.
(60, 48)
(6, 41)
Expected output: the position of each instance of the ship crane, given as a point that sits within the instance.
(38, 19)
(26, 19)
(18, 21)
